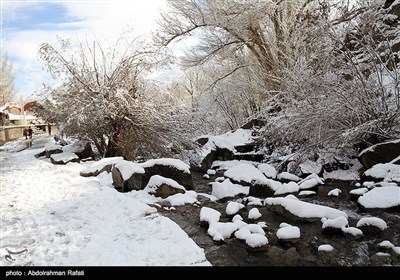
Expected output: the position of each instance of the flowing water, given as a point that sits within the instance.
(349, 250)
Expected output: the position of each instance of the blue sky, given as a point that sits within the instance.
(25, 25)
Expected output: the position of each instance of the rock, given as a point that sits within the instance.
(254, 123)
(64, 158)
(165, 190)
(83, 150)
(104, 165)
(135, 182)
(167, 171)
(41, 154)
(215, 154)
(53, 149)
(258, 190)
(381, 153)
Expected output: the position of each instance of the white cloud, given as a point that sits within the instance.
(105, 19)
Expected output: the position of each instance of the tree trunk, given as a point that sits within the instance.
(113, 148)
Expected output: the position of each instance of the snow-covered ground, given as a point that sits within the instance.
(63, 219)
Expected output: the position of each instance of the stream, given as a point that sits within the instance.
(348, 250)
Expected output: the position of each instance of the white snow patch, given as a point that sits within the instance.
(156, 181)
(384, 171)
(383, 197)
(307, 193)
(335, 192)
(304, 209)
(233, 208)
(246, 173)
(254, 214)
(256, 240)
(290, 187)
(386, 244)
(228, 189)
(211, 172)
(288, 176)
(176, 163)
(352, 230)
(128, 168)
(96, 167)
(225, 165)
(339, 222)
(209, 215)
(288, 232)
(310, 167)
(221, 231)
(268, 170)
(359, 191)
(372, 221)
(64, 157)
(325, 248)
(253, 201)
(237, 217)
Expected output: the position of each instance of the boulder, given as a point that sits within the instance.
(133, 183)
(168, 171)
(64, 158)
(164, 188)
(214, 155)
(381, 153)
(104, 165)
(53, 149)
(83, 150)
(258, 190)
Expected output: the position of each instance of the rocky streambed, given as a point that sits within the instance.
(349, 250)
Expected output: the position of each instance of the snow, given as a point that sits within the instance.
(209, 215)
(211, 172)
(206, 176)
(64, 157)
(359, 191)
(290, 187)
(233, 208)
(228, 189)
(256, 240)
(307, 193)
(304, 209)
(228, 140)
(99, 165)
(52, 147)
(253, 201)
(237, 217)
(386, 244)
(384, 171)
(247, 173)
(325, 248)
(69, 220)
(247, 230)
(335, 192)
(381, 254)
(180, 199)
(225, 165)
(383, 197)
(289, 177)
(221, 231)
(372, 221)
(254, 214)
(220, 179)
(156, 181)
(268, 170)
(339, 222)
(176, 163)
(352, 230)
(128, 168)
(309, 184)
(342, 175)
(288, 232)
(310, 167)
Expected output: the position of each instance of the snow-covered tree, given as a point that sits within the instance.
(7, 79)
(105, 99)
